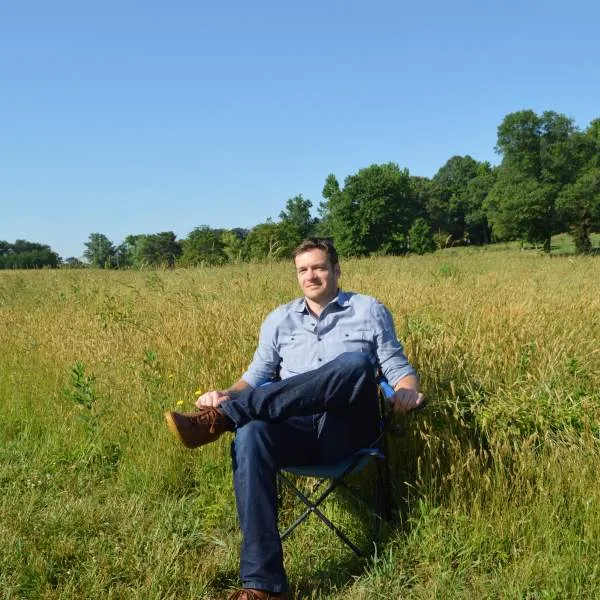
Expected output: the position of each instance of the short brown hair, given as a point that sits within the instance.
(314, 243)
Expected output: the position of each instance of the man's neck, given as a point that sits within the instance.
(317, 307)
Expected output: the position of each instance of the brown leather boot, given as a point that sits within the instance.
(252, 594)
(198, 428)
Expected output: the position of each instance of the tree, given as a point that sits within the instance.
(541, 154)
(27, 255)
(233, 243)
(297, 213)
(519, 207)
(203, 246)
(447, 203)
(578, 203)
(420, 237)
(477, 228)
(158, 249)
(99, 251)
(579, 206)
(372, 213)
(271, 241)
(74, 263)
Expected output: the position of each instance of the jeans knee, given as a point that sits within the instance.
(356, 362)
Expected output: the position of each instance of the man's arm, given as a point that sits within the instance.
(394, 364)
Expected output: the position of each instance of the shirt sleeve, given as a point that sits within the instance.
(390, 353)
(266, 360)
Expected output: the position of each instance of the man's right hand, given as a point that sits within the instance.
(213, 398)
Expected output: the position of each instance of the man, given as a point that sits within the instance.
(325, 347)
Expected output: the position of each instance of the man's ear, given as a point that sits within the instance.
(337, 270)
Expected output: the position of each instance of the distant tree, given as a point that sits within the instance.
(420, 190)
(158, 249)
(579, 206)
(420, 237)
(99, 251)
(541, 154)
(519, 207)
(203, 246)
(297, 213)
(126, 253)
(477, 228)
(233, 244)
(372, 213)
(73, 263)
(330, 193)
(271, 241)
(448, 202)
(27, 255)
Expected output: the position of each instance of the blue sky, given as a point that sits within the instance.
(139, 116)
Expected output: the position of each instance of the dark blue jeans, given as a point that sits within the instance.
(317, 417)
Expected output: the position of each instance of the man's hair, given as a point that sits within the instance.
(317, 244)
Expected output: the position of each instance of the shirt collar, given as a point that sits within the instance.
(342, 299)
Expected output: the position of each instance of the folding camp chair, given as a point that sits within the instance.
(335, 476)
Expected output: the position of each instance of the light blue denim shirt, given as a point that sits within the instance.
(292, 340)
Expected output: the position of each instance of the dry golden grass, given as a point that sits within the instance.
(497, 478)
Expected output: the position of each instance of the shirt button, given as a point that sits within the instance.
(319, 359)
(318, 339)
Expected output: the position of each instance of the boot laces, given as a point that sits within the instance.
(210, 416)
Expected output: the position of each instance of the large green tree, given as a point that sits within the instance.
(297, 213)
(99, 251)
(158, 249)
(271, 241)
(447, 202)
(579, 206)
(540, 155)
(203, 246)
(373, 212)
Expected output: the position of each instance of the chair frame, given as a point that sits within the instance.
(336, 474)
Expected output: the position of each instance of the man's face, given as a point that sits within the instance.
(317, 277)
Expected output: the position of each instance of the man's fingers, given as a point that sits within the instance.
(213, 399)
(408, 400)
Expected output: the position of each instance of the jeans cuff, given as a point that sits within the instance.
(263, 585)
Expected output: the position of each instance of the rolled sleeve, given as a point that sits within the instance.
(266, 360)
(390, 353)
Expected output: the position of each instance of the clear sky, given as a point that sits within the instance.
(140, 116)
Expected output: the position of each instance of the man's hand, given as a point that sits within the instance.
(213, 398)
(407, 400)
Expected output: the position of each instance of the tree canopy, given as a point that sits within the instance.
(548, 182)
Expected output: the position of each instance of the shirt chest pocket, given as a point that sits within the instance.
(298, 351)
(358, 340)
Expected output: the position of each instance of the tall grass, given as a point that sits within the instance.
(495, 485)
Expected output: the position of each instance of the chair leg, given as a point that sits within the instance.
(312, 507)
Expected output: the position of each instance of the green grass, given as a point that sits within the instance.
(495, 484)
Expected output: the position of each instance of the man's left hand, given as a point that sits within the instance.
(407, 400)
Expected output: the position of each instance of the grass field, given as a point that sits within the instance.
(496, 483)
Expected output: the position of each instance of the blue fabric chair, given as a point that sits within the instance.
(334, 476)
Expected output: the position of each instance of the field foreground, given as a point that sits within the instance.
(496, 484)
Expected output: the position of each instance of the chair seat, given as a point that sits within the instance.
(354, 463)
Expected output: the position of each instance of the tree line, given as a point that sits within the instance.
(547, 182)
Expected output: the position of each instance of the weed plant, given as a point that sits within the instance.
(495, 485)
